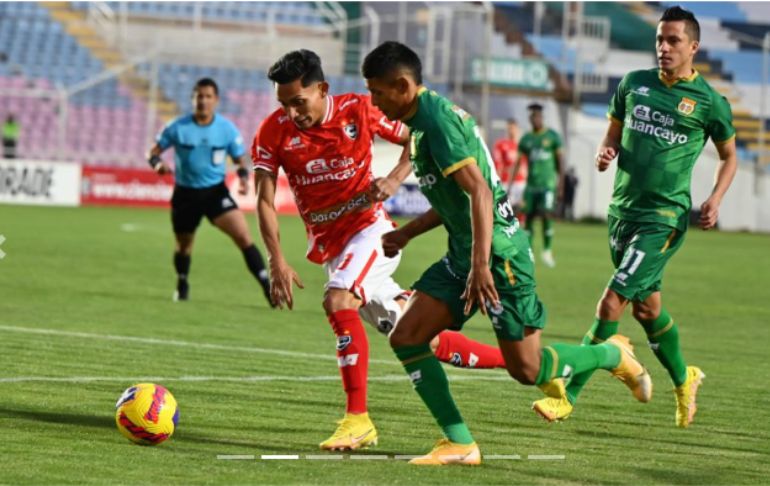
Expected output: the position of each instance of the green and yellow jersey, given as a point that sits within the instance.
(665, 127)
(445, 138)
(541, 149)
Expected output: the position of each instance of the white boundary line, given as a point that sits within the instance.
(374, 457)
(481, 375)
(540, 457)
(236, 457)
(185, 344)
(235, 379)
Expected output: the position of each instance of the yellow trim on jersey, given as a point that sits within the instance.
(668, 241)
(509, 272)
(458, 165)
(413, 110)
(725, 141)
(614, 120)
(669, 84)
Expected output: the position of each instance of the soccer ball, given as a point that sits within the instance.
(146, 414)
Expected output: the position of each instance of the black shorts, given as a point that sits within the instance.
(189, 204)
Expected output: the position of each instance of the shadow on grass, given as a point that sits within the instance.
(60, 418)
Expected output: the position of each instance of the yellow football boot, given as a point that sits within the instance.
(446, 452)
(685, 396)
(555, 406)
(355, 431)
(630, 371)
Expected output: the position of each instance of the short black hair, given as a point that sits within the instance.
(691, 25)
(535, 106)
(390, 56)
(303, 64)
(512, 121)
(204, 82)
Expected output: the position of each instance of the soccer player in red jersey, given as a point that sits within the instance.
(323, 143)
(504, 154)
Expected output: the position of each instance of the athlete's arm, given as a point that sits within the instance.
(480, 287)
(560, 173)
(513, 171)
(385, 187)
(728, 164)
(395, 241)
(609, 147)
(243, 173)
(155, 161)
(282, 276)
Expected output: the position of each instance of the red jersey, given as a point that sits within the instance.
(504, 155)
(328, 167)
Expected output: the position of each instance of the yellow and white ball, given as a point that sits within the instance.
(146, 414)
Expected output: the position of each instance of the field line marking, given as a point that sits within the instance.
(236, 457)
(279, 457)
(187, 344)
(236, 379)
(542, 457)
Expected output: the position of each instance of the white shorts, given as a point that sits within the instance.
(362, 268)
(516, 193)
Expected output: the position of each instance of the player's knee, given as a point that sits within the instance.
(336, 300)
(645, 314)
(402, 336)
(609, 307)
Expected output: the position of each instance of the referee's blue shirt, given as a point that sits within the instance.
(201, 150)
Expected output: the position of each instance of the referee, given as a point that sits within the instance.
(202, 141)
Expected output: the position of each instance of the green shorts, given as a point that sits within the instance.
(515, 286)
(539, 200)
(639, 253)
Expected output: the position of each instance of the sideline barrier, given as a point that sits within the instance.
(44, 183)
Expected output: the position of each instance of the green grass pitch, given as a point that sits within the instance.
(86, 310)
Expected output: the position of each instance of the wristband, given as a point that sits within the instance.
(154, 160)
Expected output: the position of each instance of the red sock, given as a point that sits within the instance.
(456, 349)
(352, 357)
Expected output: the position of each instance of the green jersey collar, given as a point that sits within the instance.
(687, 79)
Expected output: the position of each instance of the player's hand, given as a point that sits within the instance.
(604, 157)
(382, 188)
(480, 290)
(393, 242)
(282, 278)
(709, 213)
(243, 186)
(163, 168)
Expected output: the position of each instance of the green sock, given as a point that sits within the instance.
(430, 382)
(569, 359)
(529, 226)
(600, 332)
(663, 336)
(547, 233)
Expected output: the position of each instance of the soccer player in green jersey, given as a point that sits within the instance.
(660, 120)
(542, 147)
(488, 265)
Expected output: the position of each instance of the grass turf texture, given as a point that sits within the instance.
(109, 272)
